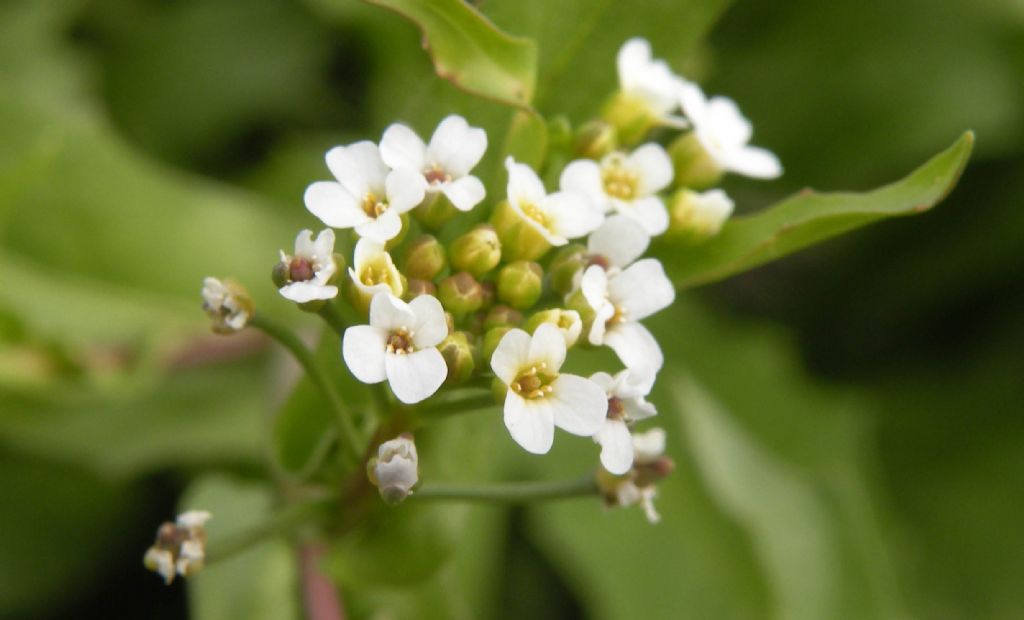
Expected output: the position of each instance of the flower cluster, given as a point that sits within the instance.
(446, 288)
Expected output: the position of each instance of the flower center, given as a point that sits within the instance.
(600, 260)
(534, 382)
(400, 341)
(435, 175)
(619, 316)
(536, 214)
(616, 410)
(373, 206)
(300, 270)
(619, 182)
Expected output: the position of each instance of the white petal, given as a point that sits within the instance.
(512, 353)
(649, 445)
(572, 214)
(430, 327)
(304, 244)
(400, 147)
(358, 168)
(362, 348)
(547, 346)
(193, 518)
(465, 193)
(456, 146)
(524, 186)
(635, 346)
(383, 229)
(415, 376)
(620, 239)
(594, 285)
(642, 289)
(583, 176)
(616, 447)
(694, 104)
(605, 380)
(649, 212)
(302, 292)
(753, 162)
(638, 409)
(632, 59)
(388, 312)
(580, 406)
(367, 250)
(323, 247)
(531, 423)
(728, 123)
(653, 167)
(334, 206)
(405, 189)
(600, 323)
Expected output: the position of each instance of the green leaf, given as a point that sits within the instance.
(469, 51)
(259, 583)
(809, 217)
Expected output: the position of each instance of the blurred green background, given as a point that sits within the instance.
(846, 422)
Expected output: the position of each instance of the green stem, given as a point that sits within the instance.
(464, 405)
(283, 523)
(332, 315)
(286, 338)
(509, 493)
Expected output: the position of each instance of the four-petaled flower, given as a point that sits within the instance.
(627, 184)
(557, 217)
(539, 398)
(649, 81)
(368, 196)
(309, 272)
(373, 271)
(620, 301)
(399, 346)
(725, 133)
(626, 404)
(454, 149)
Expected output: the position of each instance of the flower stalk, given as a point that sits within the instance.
(510, 492)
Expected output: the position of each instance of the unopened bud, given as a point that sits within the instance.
(503, 316)
(490, 293)
(631, 117)
(460, 356)
(395, 469)
(228, 305)
(595, 140)
(520, 284)
(698, 216)
(435, 211)
(477, 251)
(519, 240)
(461, 294)
(564, 267)
(693, 165)
(415, 288)
(424, 259)
(567, 321)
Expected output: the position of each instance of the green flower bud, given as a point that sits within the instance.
(595, 140)
(503, 316)
(478, 251)
(520, 284)
(693, 165)
(461, 294)
(519, 240)
(579, 304)
(435, 212)
(567, 321)
(460, 356)
(491, 340)
(564, 267)
(631, 117)
(424, 259)
(281, 274)
(415, 288)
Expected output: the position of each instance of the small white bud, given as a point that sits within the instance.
(396, 469)
(227, 303)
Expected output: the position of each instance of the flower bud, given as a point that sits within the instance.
(520, 284)
(228, 305)
(503, 316)
(490, 291)
(698, 216)
(567, 321)
(395, 469)
(415, 288)
(631, 117)
(477, 251)
(180, 547)
(595, 139)
(435, 212)
(372, 272)
(460, 356)
(564, 267)
(491, 339)
(693, 165)
(424, 259)
(461, 294)
(519, 240)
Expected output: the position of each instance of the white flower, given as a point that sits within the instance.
(396, 469)
(227, 303)
(557, 217)
(617, 243)
(620, 301)
(649, 81)
(373, 271)
(648, 448)
(628, 494)
(627, 184)
(539, 398)
(180, 547)
(400, 346)
(160, 561)
(626, 404)
(702, 213)
(724, 133)
(454, 149)
(311, 269)
(368, 196)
